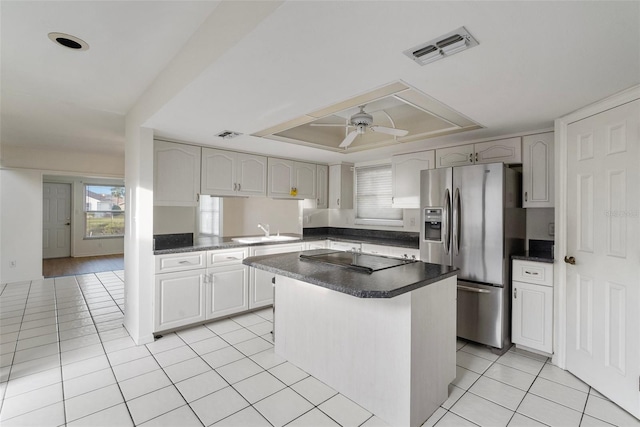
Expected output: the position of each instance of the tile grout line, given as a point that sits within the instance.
(16, 347)
(108, 361)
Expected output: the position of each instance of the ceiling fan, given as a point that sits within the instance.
(362, 121)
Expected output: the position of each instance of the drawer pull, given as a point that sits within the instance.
(533, 273)
(232, 257)
(185, 262)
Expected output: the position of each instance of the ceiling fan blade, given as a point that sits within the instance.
(329, 124)
(349, 139)
(389, 131)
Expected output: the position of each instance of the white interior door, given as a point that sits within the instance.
(56, 220)
(603, 304)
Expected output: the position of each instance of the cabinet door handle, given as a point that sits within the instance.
(232, 257)
(338, 202)
(470, 157)
(515, 293)
(526, 196)
(476, 157)
(239, 186)
(533, 273)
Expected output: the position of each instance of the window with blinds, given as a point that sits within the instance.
(373, 197)
(209, 215)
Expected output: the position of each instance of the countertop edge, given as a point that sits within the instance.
(533, 258)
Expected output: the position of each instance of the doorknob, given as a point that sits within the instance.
(570, 260)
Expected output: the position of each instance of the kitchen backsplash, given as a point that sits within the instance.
(345, 218)
(538, 224)
(241, 216)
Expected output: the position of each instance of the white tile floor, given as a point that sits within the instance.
(66, 359)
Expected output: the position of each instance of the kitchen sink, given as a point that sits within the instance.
(263, 239)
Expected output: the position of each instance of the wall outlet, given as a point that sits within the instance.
(552, 229)
(12, 264)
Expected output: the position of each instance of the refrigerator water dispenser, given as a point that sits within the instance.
(433, 224)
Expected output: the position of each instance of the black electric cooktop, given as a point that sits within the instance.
(357, 261)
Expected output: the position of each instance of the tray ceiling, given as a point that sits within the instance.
(396, 105)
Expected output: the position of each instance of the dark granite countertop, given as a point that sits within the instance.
(539, 251)
(370, 236)
(535, 256)
(386, 283)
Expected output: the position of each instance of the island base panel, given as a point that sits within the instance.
(394, 356)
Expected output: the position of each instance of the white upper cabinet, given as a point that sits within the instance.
(227, 173)
(405, 170)
(454, 156)
(291, 180)
(176, 174)
(537, 171)
(341, 186)
(305, 180)
(322, 186)
(508, 151)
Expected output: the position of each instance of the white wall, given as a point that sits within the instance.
(89, 164)
(538, 220)
(21, 227)
(139, 260)
(240, 216)
(81, 247)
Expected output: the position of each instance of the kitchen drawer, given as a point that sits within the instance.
(180, 262)
(226, 256)
(539, 273)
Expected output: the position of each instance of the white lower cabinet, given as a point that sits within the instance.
(227, 290)
(179, 299)
(194, 294)
(260, 281)
(369, 248)
(320, 244)
(532, 306)
(345, 246)
(404, 252)
(394, 251)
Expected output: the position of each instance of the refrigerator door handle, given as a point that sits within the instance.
(446, 222)
(456, 221)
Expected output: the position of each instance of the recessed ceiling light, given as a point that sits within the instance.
(67, 40)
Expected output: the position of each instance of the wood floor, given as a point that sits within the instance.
(56, 267)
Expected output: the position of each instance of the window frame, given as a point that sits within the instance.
(375, 221)
(87, 211)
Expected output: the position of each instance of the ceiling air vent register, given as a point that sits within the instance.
(228, 134)
(441, 47)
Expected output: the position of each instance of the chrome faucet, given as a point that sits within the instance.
(264, 228)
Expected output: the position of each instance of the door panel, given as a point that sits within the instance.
(480, 251)
(603, 302)
(56, 220)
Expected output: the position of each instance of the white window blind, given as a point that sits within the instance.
(373, 195)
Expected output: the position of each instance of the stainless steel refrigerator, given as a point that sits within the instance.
(471, 218)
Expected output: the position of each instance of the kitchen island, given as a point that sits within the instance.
(385, 339)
